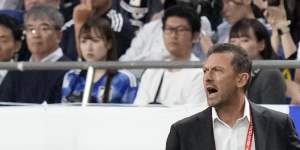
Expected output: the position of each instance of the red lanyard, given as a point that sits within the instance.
(249, 135)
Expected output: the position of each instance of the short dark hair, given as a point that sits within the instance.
(240, 61)
(186, 12)
(243, 28)
(11, 24)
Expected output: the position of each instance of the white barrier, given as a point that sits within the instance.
(90, 128)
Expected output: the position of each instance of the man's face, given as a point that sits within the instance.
(178, 36)
(233, 10)
(42, 37)
(28, 4)
(220, 79)
(8, 45)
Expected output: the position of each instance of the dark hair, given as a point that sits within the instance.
(102, 27)
(243, 27)
(186, 12)
(11, 24)
(169, 3)
(240, 61)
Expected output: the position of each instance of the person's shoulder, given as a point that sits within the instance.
(118, 21)
(64, 58)
(270, 72)
(192, 120)
(153, 25)
(127, 76)
(269, 113)
(68, 25)
(270, 75)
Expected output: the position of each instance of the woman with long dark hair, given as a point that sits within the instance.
(97, 43)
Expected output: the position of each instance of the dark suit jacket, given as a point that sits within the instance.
(272, 131)
(33, 86)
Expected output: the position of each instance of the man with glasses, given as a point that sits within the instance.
(42, 30)
(181, 25)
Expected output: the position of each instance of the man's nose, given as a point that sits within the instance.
(207, 76)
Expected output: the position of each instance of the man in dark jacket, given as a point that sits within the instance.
(43, 35)
(232, 122)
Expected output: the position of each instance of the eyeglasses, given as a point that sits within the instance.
(177, 30)
(40, 29)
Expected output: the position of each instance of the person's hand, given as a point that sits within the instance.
(83, 11)
(276, 16)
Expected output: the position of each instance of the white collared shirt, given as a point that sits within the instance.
(52, 57)
(227, 138)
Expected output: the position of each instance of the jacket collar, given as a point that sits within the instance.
(260, 122)
(208, 139)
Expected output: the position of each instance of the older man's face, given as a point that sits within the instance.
(42, 37)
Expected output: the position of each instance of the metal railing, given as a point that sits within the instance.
(134, 65)
(91, 66)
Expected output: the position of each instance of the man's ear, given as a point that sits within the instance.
(243, 79)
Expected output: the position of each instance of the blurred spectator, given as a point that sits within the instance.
(209, 8)
(42, 27)
(10, 40)
(267, 86)
(175, 86)
(288, 7)
(97, 43)
(233, 11)
(106, 8)
(149, 45)
(66, 8)
(276, 16)
(282, 41)
(139, 12)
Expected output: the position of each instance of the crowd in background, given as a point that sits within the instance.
(144, 30)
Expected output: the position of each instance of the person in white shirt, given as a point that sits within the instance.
(175, 86)
(232, 122)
